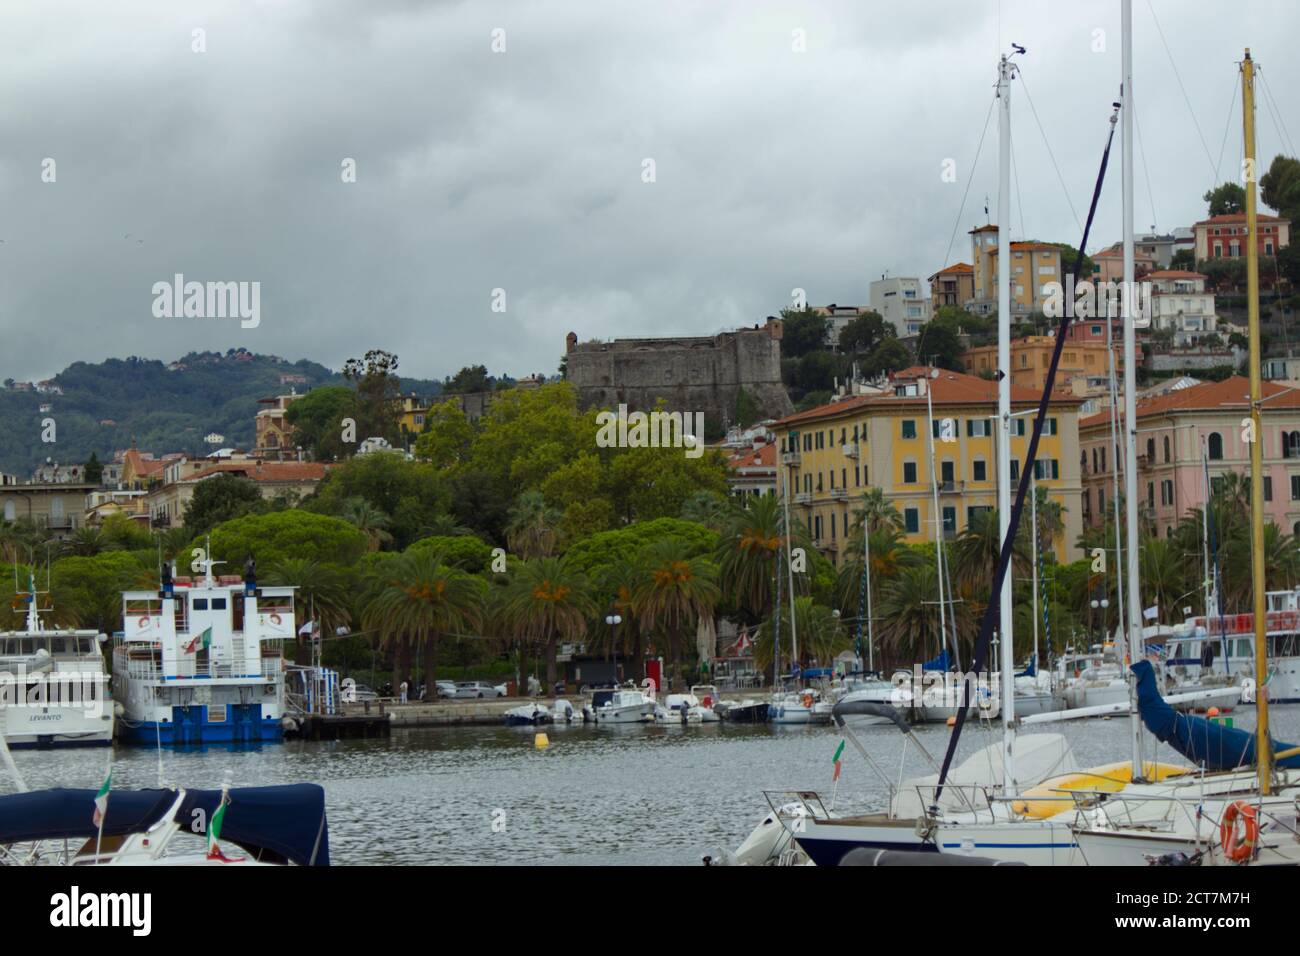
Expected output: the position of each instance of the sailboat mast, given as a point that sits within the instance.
(789, 567)
(1262, 755)
(1004, 414)
(866, 565)
(934, 491)
(1033, 517)
(1130, 388)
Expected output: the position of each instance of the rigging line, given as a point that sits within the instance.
(1186, 98)
(1268, 92)
(1146, 170)
(1284, 137)
(991, 611)
(974, 165)
(1227, 124)
(1059, 178)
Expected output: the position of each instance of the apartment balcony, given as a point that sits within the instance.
(850, 451)
(803, 498)
(840, 493)
(951, 487)
(790, 457)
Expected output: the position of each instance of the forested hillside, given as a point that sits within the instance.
(164, 407)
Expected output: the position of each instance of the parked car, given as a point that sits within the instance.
(477, 688)
(446, 688)
(502, 690)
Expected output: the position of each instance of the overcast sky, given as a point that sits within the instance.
(522, 170)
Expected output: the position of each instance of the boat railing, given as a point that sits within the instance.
(146, 665)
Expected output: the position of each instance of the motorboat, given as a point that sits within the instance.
(707, 698)
(799, 707)
(625, 705)
(532, 714)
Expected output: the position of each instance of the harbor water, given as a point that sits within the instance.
(596, 795)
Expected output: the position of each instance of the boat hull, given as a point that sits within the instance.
(192, 727)
(827, 841)
(1034, 843)
(747, 714)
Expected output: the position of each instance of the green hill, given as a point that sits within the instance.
(165, 408)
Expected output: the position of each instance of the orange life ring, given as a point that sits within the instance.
(1239, 849)
(144, 620)
(275, 619)
(808, 701)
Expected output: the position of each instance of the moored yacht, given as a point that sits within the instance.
(54, 691)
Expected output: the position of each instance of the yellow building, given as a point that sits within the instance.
(831, 455)
(1033, 266)
(1082, 363)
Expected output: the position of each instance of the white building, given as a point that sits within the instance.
(1179, 302)
(900, 301)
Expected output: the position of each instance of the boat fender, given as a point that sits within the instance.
(1235, 848)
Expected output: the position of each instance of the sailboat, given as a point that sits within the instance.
(1252, 819)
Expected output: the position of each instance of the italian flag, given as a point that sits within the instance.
(839, 752)
(101, 800)
(203, 640)
(214, 832)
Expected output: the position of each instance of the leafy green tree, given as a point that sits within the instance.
(891, 355)
(1280, 186)
(413, 494)
(747, 410)
(463, 552)
(624, 544)
(367, 519)
(1226, 198)
(1184, 259)
(471, 378)
(378, 395)
(87, 590)
(317, 420)
(219, 499)
(94, 469)
(746, 556)
(322, 594)
(86, 542)
(533, 531)
(821, 635)
(447, 436)
(274, 537)
(939, 342)
(803, 331)
(865, 331)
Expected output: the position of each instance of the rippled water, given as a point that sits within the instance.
(608, 795)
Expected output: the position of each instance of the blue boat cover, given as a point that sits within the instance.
(1031, 670)
(1199, 740)
(940, 663)
(285, 821)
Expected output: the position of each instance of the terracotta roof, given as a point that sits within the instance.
(956, 268)
(1231, 393)
(762, 457)
(266, 470)
(1239, 217)
(989, 228)
(140, 466)
(950, 388)
(1175, 274)
(1117, 250)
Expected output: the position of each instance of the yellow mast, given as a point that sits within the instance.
(1262, 755)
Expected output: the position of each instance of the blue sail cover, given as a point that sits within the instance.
(286, 821)
(1031, 670)
(1199, 740)
(940, 663)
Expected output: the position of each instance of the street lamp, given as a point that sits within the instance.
(614, 619)
(1104, 603)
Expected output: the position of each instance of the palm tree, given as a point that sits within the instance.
(1163, 569)
(86, 542)
(617, 583)
(418, 599)
(675, 592)
(321, 592)
(878, 510)
(532, 528)
(546, 600)
(821, 633)
(889, 556)
(976, 551)
(746, 555)
(369, 520)
(909, 613)
(706, 508)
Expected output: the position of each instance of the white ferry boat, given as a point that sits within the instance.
(54, 691)
(1219, 649)
(199, 662)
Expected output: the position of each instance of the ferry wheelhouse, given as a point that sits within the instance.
(54, 691)
(1220, 648)
(200, 662)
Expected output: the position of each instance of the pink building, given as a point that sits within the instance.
(1175, 429)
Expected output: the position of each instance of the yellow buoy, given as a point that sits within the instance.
(952, 721)
(541, 742)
